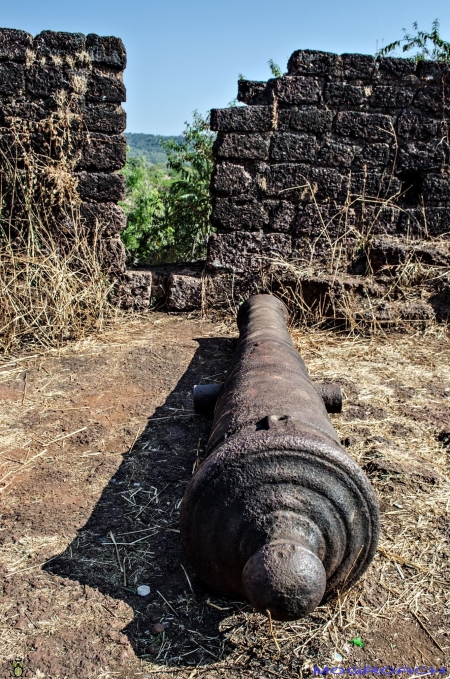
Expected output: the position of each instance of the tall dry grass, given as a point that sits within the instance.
(52, 287)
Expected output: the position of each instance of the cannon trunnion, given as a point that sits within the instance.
(278, 512)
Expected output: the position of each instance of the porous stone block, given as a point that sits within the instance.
(243, 252)
(106, 118)
(234, 145)
(387, 97)
(373, 155)
(315, 121)
(108, 51)
(374, 185)
(297, 90)
(393, 68)
(229, 178)
(365, 126)
(12, 78)
(314, 62)
(295, 181)
(14, 44)
(413, 125)
(233, 214)
(242, 119)
(184, 292)
(101, 187)
(105, 86)
(105, 218)
(417, 156)
(252, 92)
(60, 43)
(358, 66)
(290, 147)
(111, 253)
(433, 98)
(436, 187)
(336, 154)
(343, 94)
(45, 79)
(102, 152)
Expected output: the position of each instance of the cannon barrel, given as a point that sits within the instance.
(277, 513)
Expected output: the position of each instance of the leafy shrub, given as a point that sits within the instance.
(430, 45)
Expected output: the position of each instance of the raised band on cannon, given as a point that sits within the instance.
(277, 513)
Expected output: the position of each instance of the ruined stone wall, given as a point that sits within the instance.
(341, 165)
(60, 111)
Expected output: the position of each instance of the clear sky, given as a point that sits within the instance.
(187, 54)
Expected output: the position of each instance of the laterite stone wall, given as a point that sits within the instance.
(62, 92)
(342, 165)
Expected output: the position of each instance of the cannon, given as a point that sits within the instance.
(277, 512)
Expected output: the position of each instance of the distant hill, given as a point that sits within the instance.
(148, 145)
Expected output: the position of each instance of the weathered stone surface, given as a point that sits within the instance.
(253, 92)
(358, 66)
(108, 51)
(105, 86)
(436, 187)
(365, 126)
(184, 292)
(373, 155)
(290, 147)
(242, 119)
(416, 126)
(44, 80)
(433, 98)
(102, 152)
(112, 255)
(243, 252)
(135, 291)
(14, 44)
(105, 218)
(336, 154)
(233, 214)
(313, 62)
(429, 221)
(315, 121)
(433, 71)
(297, 181)
(392, 68)
(387, 97)
(229, 178)
(233, 145)
(59, 43)
(106, 118)
(343, 94)
(12, 78)
(378, 185)
(415, 156)
(297, 90)
(101, 187)
(282, 216)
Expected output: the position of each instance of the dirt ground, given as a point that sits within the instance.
(97, 443)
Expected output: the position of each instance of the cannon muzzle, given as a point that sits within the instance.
(277, 513)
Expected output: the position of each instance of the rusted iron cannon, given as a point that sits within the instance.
(277, 513)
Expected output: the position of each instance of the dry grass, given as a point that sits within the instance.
(52, 287)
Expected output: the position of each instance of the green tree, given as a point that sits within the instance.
(189, 199)
(168, 209)
(429, 45)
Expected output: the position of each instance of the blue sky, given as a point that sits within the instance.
(186, 55)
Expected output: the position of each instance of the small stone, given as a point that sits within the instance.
(21, 624)
(143, 590)
(157, 629)
(152, 650)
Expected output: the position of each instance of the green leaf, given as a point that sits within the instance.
(357, 642)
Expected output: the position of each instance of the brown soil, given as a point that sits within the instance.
(97, 443)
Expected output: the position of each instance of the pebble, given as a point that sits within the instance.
(143, 590)
(157, 629)
(337, 657)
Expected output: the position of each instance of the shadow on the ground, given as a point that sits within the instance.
(132, 536)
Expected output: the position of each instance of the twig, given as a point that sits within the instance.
(24, 388)
(117, 550)
(187, 578)
(169, 605)
(272, 633)
(427, 631)
(66, 436)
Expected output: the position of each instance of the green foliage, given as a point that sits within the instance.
(274, 69)
(430, 45)
(189, 200)
(148, 146)
(168, 208)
